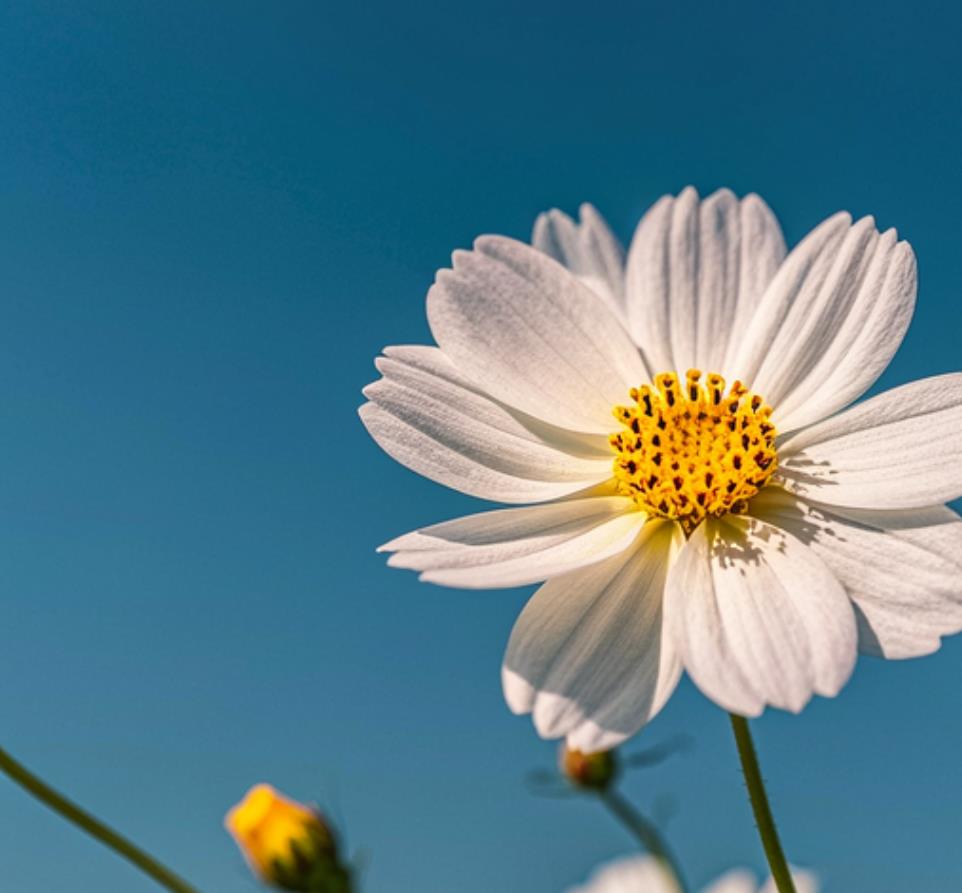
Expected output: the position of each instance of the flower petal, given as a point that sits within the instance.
(695, 273)
(738, 880)
(521, 326)
(428, 369)
(830, 321)
(588, 656)
(514, 547)
(629, 874)
(901, 449)
(805, 882)
(588, 249)
(429, 418)
(900, 614)
(757, 617)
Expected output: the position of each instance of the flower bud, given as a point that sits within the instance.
(287, 844)
(595, 771)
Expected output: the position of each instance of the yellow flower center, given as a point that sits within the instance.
(691, 451)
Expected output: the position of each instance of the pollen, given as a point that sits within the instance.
(690, 450)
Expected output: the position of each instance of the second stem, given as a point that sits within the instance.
(647, 835)
(70, 811)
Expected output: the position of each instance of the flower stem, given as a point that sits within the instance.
(760, 807)
(647, 834)
(94, 827)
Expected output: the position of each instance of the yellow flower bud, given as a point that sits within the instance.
(589, 770)
(287, 844)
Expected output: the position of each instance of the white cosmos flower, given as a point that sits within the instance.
(641, 874)
(754, 535)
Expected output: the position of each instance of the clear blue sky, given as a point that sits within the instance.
(212, 217)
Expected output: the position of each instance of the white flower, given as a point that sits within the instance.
(753, 535)
(641, 874)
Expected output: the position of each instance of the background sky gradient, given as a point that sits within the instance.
(213, 217)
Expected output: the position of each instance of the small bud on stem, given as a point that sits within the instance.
(594, 771)
(287, 844)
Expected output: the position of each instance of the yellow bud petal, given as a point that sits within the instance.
(279, 837)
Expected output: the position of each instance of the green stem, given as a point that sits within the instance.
(94, 827)
(760, 807)
(647, 834)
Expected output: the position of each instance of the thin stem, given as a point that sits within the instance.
(760, 807)
(94, 827)
(647, 834)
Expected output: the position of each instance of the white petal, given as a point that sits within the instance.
(901, 449)
(518, 324)
(903, 569)
(738, 880)
(514, 547)
(805, 882)
(695, 273)
(758, 618)
(830, 321)
(589, 249)
(631, 874)
(429, 370)
(427, 416)
(588, 656)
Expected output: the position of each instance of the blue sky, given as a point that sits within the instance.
(212, 218)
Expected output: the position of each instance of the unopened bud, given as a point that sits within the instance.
(589, 770)
(287, 844)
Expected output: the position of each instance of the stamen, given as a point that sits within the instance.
(693, 451)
